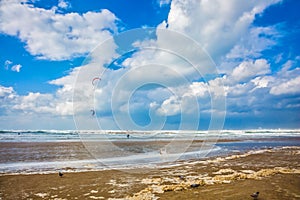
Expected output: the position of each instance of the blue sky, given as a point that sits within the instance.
(247, 56)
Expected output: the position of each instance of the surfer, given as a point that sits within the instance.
(163, 151)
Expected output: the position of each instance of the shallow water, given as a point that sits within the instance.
(23, 151)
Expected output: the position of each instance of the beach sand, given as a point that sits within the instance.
(275, 173)
(42, 151)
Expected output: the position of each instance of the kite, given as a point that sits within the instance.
(95, 80)
(93, 112)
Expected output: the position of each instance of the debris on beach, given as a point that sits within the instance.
(42, 195)
(222, 176)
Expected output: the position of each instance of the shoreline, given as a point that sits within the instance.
(235, 176)
(47, 157)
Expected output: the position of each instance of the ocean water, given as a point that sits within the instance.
(49, 151)
(71, 135)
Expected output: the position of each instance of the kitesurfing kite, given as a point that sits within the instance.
(93, 112)
(95, 80)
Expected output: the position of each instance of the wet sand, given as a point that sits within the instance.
(56, 151)
(275, 173)
(42, 151)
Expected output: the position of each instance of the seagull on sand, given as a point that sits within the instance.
(60, 174)
(255, 195)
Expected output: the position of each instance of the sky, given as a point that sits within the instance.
(149, 64)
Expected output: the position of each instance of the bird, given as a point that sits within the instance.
(255, 195)
(60, 174)
(195, 185)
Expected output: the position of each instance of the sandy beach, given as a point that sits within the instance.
(275, 173)
(149, 100)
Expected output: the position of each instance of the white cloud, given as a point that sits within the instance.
(31, 111)
(229, 36)
(77, 86)
(290, 87)
(170, 106)
(219, 34)
(64, 4)
(286, 81)
(7, 64)
(286, 66)
(55, 36)
(35, 103)
(262, 82)
(218, 25)
(6, 92)
(249, 69)
(217, 88)
(163, 2)
(254, 42)
(16, 68)
(239, 90)
(198, 89)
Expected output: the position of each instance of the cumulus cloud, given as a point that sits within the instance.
(227, 33)
(291, 86)
(24, 111)
(229, 37)
(55, 36)
(8, 98)
(77, 93)
(286, 81)
(220, 32)
(257, 95)
(249, 69)
(6, 92)
(35, 103)
(64, 4)
(198, 89)
(262, 82)
(170, 106)
(177, 66)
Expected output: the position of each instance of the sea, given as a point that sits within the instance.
(50, 151)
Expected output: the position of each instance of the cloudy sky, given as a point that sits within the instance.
(149, 64)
